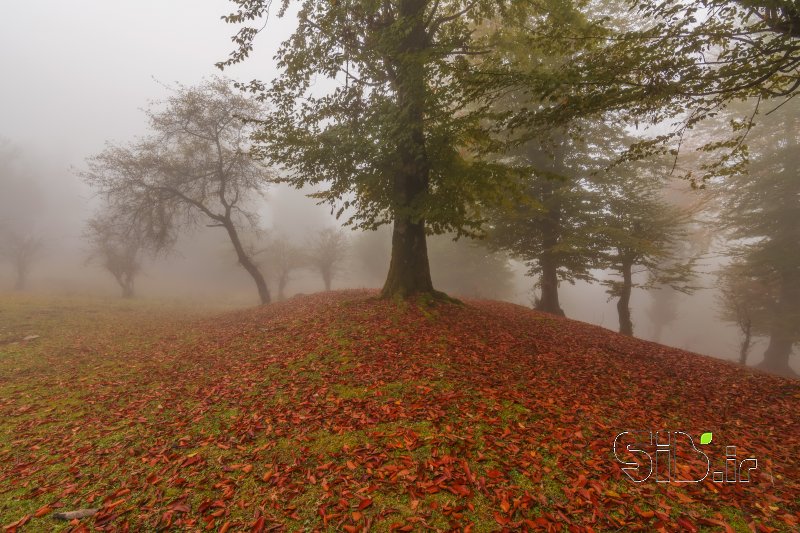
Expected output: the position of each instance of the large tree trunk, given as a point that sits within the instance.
(624, 302)
(551, 230)
(781, 339)
(247, 263)
(409, 270)
(776, 358)
(548, 302)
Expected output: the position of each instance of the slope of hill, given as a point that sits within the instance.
(343, 412)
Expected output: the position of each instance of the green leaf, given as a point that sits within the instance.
(705, 438)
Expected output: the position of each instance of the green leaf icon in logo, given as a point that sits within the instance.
(705, 438)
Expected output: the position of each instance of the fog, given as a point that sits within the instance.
(77, 75)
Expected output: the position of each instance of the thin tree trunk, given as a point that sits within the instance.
(744, 349)
(22, 278)
(409, 270)
(247, 263)
(282, 282)
(327, 278)
(624, 302)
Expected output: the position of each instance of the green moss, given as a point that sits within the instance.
(522, 481)
(513, 412)
(323, 442)
(736, 519)
(347, 392)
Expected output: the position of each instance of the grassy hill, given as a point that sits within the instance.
(343, 412)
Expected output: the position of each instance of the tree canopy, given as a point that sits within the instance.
(385, 104)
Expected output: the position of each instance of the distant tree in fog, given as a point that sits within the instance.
(117, 248)
(761, 211)
(21, 250)
(326, 251)
(282, 259)
(740, 297)
(372, 251)
(548, 229)
(468, 268)
(194, 168)
(20, 205)
(640, 233)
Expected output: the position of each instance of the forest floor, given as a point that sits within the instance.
(342, 412)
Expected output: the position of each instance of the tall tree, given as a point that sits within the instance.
(549, 228)
(395, 130)
(761, 212)
(639, 233)
(665, 303)
(194, 168)
(739, 297)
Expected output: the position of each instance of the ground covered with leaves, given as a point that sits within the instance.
(342, 412)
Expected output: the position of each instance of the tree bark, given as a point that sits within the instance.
(247, 263)
(548, 302)
(127, 291)
(776, 357)
(624, 302)
(125, 284)
(782, 331)
(744, 349)
(327, 278)
(409, 270)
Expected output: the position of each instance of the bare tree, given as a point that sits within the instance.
(326, 251)
(282, 259)
(117, 248)
(194, 168)
(21, 250)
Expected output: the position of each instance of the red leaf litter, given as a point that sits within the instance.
(344, 412)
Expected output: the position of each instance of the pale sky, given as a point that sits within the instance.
(76, 73)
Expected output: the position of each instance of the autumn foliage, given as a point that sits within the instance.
(345, 412)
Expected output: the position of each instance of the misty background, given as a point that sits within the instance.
(77, 74)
